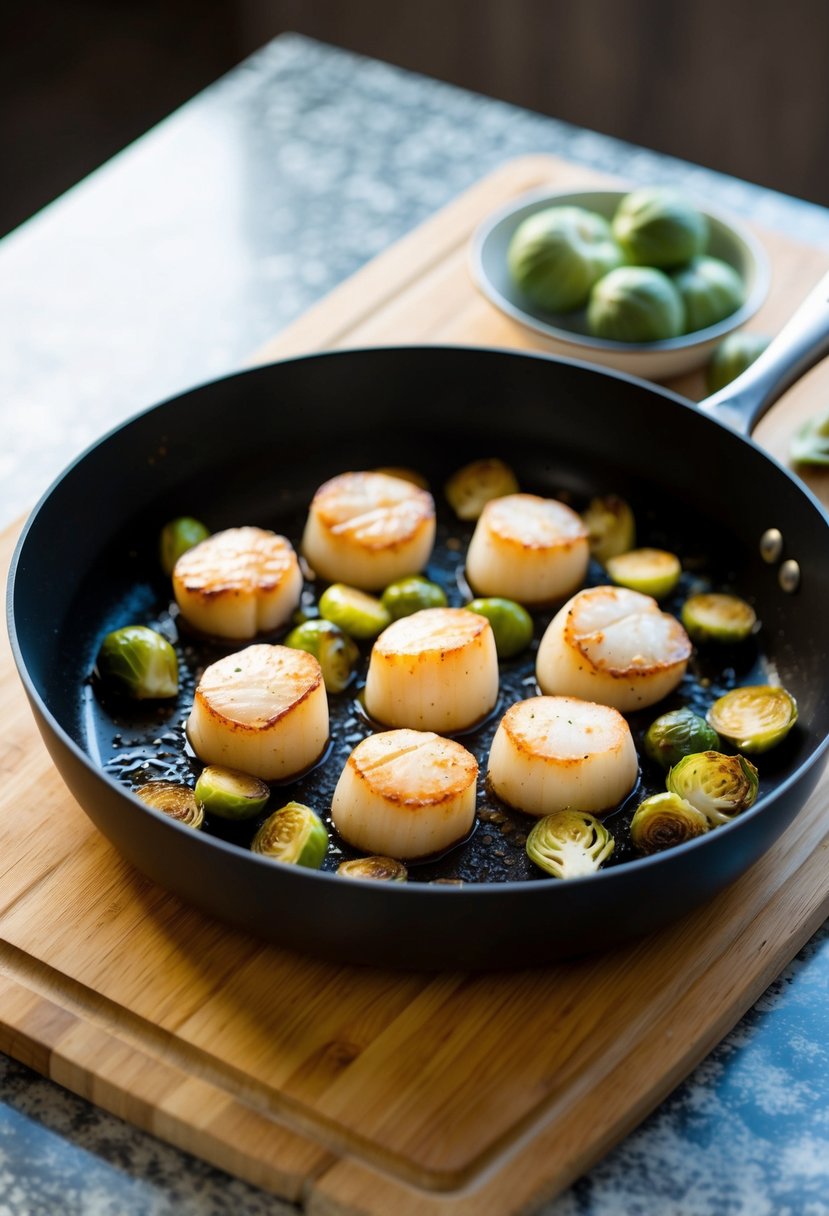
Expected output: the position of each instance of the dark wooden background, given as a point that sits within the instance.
(734, 85)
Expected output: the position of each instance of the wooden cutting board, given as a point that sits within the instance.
(363, 1091)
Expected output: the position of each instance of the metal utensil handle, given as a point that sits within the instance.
(802, 342)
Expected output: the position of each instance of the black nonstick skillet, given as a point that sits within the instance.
(252, 448)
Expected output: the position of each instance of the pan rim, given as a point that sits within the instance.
(483, 889)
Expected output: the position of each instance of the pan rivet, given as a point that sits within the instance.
(789, 575)
(771, 545)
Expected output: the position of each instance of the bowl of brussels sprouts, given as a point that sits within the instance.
(646, 281)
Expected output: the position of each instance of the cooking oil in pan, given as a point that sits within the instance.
(136, 743)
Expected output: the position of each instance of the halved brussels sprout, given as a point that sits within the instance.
(678, 733)
(137, 662)
(472, 487)
(336, 653)
(177, 536)
(715, 617)
(719, 786)
(569, 844)
(382, 869)
(512, 625)
(408, 595)
(174, 799)
(810, 443)
(635, 304)
(732, 356)
(358, 614)
(294, 834)
(230, 794)
(710, 290)
(657, 226)
(556, 255)
(611, 526)
(664, 821)
(755, 717)
(652, 571)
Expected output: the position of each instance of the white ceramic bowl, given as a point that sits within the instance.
(566, 333)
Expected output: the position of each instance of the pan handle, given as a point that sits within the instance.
(802, 342)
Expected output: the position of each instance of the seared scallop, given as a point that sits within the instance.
(368, 529)
(552, 753)
(238, 583)
(530, 549)
(263, 711)
(615, 646)
(434, 670)
(406, 794)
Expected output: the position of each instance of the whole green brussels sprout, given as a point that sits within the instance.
(177, 536)
(408, 595)
(635, 304)
(678, 733)
(710, 289)
(556, 255)
(659, 227)
(336, 653)
(512, 625)
(732, 356)
(138, 662)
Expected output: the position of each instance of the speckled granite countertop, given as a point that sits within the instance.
(169, 266)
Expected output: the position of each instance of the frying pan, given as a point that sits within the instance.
(252, 448)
